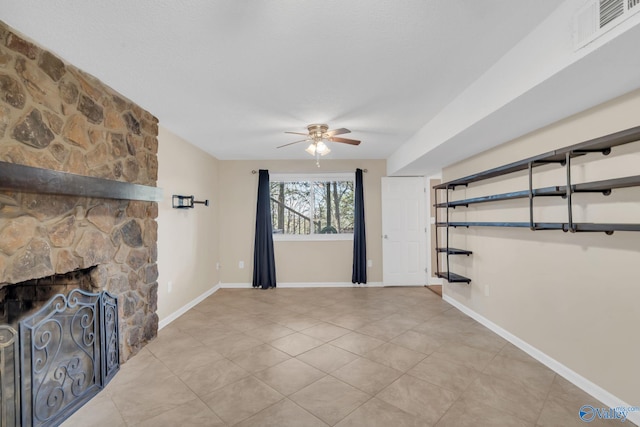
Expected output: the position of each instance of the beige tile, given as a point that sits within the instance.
(465, 355)
(535, 377)
(248, 323)
(261, 357)
(190, 358)
(513, 352)
(419, 398)
(377, 413)
(416, 341)
(207, 378)
(325, 331)
(290, 376)
(505, 395)
(447, 374)
(559, 413)
(349, 321)
(208, 334)
(298, 323)
(483, 339)
(140, 369)
(330, 399)
(497, 383)
(171, 340)
(368, 376)
(194, 413)
(357, 343)
(235, 344)
(561, 389)
(270, 332)
(242, 399)
(563, 405)
(295, 344)
(283, 414)
(189, 320)
(98, 412)
(395, 356)
(158, 396)
(385, 329)
(326, 313)
(470, 413)
(327, 357)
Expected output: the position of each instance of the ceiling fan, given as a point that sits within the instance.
(317, 134)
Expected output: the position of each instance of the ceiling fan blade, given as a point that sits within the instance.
(299, 133)
(344, 140)
(294, 142)
(337, 132)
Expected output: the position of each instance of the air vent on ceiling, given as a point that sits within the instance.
(610, 10)
(598, 16)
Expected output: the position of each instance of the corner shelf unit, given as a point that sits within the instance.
(561, 157)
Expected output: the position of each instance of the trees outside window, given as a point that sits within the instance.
(318, 205)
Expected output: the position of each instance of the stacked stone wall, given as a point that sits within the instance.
(54, 116)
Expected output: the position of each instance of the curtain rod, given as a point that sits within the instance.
(363, 170)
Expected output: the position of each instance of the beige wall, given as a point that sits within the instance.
(296, 262)
(188, 241)
(572, 296)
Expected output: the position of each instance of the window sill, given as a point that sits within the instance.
(311, 237)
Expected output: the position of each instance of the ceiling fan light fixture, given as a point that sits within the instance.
(318, 148)
(322, 149)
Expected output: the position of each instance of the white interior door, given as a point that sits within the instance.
(403, 231)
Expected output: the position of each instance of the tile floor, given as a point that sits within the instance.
(323, 357)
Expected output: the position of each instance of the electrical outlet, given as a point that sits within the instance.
(241, 264)
(486, 290)
(217, 266)
(169, 287)
(370, 263)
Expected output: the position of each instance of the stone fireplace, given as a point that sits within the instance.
(54, 116)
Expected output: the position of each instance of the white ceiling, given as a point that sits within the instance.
(423, 83)
(231, 76)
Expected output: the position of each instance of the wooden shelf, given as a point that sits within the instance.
(603, 143)
(561, 156)
(538, 192)
(453, 277)
(15, 177)
(454, 251)
(604, 186)
(537, 225)
(590, 226)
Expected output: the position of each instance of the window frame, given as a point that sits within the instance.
(313, 177)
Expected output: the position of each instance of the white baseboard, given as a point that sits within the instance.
(182, 310)
(306, 285)
(578, 380)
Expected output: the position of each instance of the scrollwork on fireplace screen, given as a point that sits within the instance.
(9, 377)
(68, 352)
(109, 316)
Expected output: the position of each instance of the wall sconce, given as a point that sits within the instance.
(182, 202)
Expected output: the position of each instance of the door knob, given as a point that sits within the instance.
(385, 236)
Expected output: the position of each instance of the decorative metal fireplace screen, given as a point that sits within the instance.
(58, 359)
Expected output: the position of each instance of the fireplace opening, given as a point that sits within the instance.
(21, 299)
(59, 346)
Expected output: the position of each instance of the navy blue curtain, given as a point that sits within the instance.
(359, 274)
(264, 265)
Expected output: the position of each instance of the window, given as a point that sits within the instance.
(312, 205)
